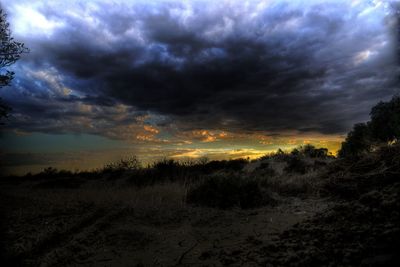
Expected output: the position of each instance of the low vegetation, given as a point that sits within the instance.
(361, 229)
(227, 192)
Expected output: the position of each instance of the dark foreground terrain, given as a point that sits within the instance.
(297, 209)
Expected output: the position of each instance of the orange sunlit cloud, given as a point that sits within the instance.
(151, 129)
(206, 135)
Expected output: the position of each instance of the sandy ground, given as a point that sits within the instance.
(68, 228)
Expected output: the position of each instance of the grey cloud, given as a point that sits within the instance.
(289, 68)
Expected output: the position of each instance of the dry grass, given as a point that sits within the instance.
(276, 176)
(160, 196)
(300, 185)
(44, 217)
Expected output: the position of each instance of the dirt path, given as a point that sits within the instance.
(202, 237)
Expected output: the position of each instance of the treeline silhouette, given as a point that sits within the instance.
(381, 129)
(170, 170)
(165, 170)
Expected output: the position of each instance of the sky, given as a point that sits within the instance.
(183, 79)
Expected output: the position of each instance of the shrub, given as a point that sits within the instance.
(296, 165)
(128, 164)
(350, 178)
(313, 152)
(49, 171)
(319, 164)
(266, 169)
(167, 168)
(358, 141)
(385, 120)
(384, 127)
(227, 192)
(229, 165)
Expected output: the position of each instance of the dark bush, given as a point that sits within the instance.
(236, 164)
(49, 171)
(62, 182)
(390, 155)
(319, 164)
(349, 178)
(228, 192)
(280, 155)
(358, 141)
(265, 169)
(296, 165)
(229, 165)
(385, 120)
(313, 152)
(128, 164)
(168, 169)
(384, 127)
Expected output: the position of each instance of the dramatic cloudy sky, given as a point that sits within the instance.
(106, 79)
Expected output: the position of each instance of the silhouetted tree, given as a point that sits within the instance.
(385, 120)
(10, 52)
(313, 152)
(383, 127)
(295, 152)
(358, 141)
(310, 151)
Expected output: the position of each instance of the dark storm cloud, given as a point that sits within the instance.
(315, 67)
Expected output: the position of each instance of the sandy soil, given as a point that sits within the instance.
(44, 230)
